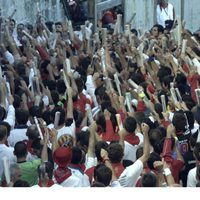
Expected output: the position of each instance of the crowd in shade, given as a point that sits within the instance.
(114, 107)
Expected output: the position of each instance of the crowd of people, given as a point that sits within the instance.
(111, 108)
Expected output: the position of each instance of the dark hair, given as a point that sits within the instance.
(61, 88)
(100, 145)
(3, 132)
(115, 152)
(179, 121)
(152, 158)
(139, 152)
(139, 117)
(55, 96)
(149, 180)
(22, 116)
(32, 132)
(76, 155)
(101, 121)
(58, 23)
(20, 149)
(162, 72)
(97, 184)
(160, 28)
(82, 138)
(47, 116)
(7, 125)
(35, 111)
(103, 174)
(62, 115)
(2, 113)
(130, 124)
(21, 183)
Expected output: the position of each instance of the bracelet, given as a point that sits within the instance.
(167, 172)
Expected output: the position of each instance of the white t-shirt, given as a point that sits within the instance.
(164, 14)
(191, 179)
(130, 175)
(130, 150)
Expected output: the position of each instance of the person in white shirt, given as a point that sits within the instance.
(192, 176)
(4, 150)
(19, 132)
(130, 175)
(164, 11)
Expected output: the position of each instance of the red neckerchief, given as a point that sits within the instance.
(61, 174)
(118, 168)
(132, 139)
(49, 184)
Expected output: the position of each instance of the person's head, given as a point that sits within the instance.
(62, 115)
(3, 134)
(149, 180)
(157, 30)
(77, 156)
(61, 87)
(130, 124)
(21, 183)
(35, 111)
(55, 96)
(45, 171)
(179, 121)
(62, 156)
(102, 174)
(20, 150)
(22, 116)
(20, 28)
(196, 151)
(37, 147)
(115, 152)
(32, 132)
(97, 184)
(162, 2)
(59, 27)
(100, 145)
(152, 158)
(15, 172)
(162, 72)
(7, 125)
(2, 113)
(12, 25)
(82, 139)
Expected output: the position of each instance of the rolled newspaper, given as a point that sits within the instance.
(71, 31)
(6, 168)
(197, 92)
(8, 88)
(117, 84)
(89, 113)
(96, 37)
(171, 85)
(38, 7)
(178, 95)
(104, 37)
(179, 31)
(83, 31)
(119, 121)
(184, 45)
(128, 102)
(173, 95)
(133, 84)
(1, 74)
(65, 78)
(13, 13)
(103, 59)
(68, 64)
(115, 29)
(164, 107)
(56, 120)
(38, 128)
(119, 23)
(55, 41)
